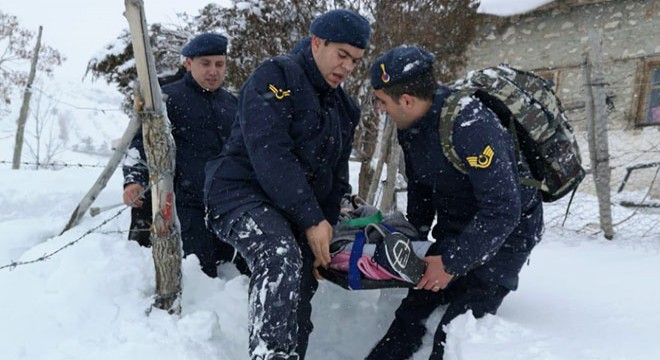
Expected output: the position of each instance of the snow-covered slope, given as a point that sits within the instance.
(581, 297)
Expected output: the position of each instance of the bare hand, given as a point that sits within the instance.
(132, 195)
(435, 278)
(318, 238)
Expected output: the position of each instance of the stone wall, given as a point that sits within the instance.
(553, 40)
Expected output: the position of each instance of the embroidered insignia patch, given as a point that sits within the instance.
(385, 77)
(483, 160)
(279, 93)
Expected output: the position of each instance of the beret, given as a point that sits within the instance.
(400, 64)
(342, 26)
(205, 44)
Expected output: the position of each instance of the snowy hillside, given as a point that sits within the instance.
(79, 121)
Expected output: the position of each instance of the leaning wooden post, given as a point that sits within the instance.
(159, 148)
(105, 176)
(25, 107)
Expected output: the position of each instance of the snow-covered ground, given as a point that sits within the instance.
(581, 297)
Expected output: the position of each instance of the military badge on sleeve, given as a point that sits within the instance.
(483, 160)
(279, 93)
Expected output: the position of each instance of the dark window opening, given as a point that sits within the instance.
(653, 98)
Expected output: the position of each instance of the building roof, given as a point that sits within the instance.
(507, 8)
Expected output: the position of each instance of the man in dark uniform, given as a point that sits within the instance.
(487, 222)
(275, 191)
(201, 113)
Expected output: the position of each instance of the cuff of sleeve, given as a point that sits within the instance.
(134, 180)
(454, 263)
(332, 208)
(434, 249)
(307, 214)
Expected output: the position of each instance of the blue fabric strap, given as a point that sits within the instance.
(354, 275)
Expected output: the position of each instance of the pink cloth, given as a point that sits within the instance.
(341, 261)
(367, 266)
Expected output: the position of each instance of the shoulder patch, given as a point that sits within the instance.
(483, 160)
(279, 93)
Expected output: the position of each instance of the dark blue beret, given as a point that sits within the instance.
(342, 26)
(399, 64)
(205, 44)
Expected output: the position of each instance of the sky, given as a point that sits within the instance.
(580, 296)
(79, 28)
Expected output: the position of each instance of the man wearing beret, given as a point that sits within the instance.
(201, 113)
(275, 191)
(487, 222)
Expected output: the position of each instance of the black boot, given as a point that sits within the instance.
(398, 343)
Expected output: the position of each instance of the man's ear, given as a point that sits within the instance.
(407, 100)
(316, 43)
(187, 62)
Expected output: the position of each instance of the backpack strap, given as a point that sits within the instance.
(533, 183)
(450, 110)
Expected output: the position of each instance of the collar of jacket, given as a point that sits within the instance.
(429, 123)
(306, 61)
(192, 83)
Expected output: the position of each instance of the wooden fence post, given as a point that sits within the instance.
(598, 141)
(159, 148)
(25, 107)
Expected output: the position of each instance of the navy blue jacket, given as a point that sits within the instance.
(487, 222)
(289, 147)
(201, 123)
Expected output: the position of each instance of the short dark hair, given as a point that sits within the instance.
(422, 86)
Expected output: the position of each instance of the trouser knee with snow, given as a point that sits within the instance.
(404, 337)
(282, 284)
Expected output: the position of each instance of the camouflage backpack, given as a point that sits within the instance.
(534, 116)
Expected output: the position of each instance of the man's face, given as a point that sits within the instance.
(395, 109)
(208, 71)
(335, 60)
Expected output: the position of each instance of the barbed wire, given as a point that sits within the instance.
(47, 256)
(109, 232)
(54, 164)
(12, 265)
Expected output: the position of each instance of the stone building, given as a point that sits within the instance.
(552, 41)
